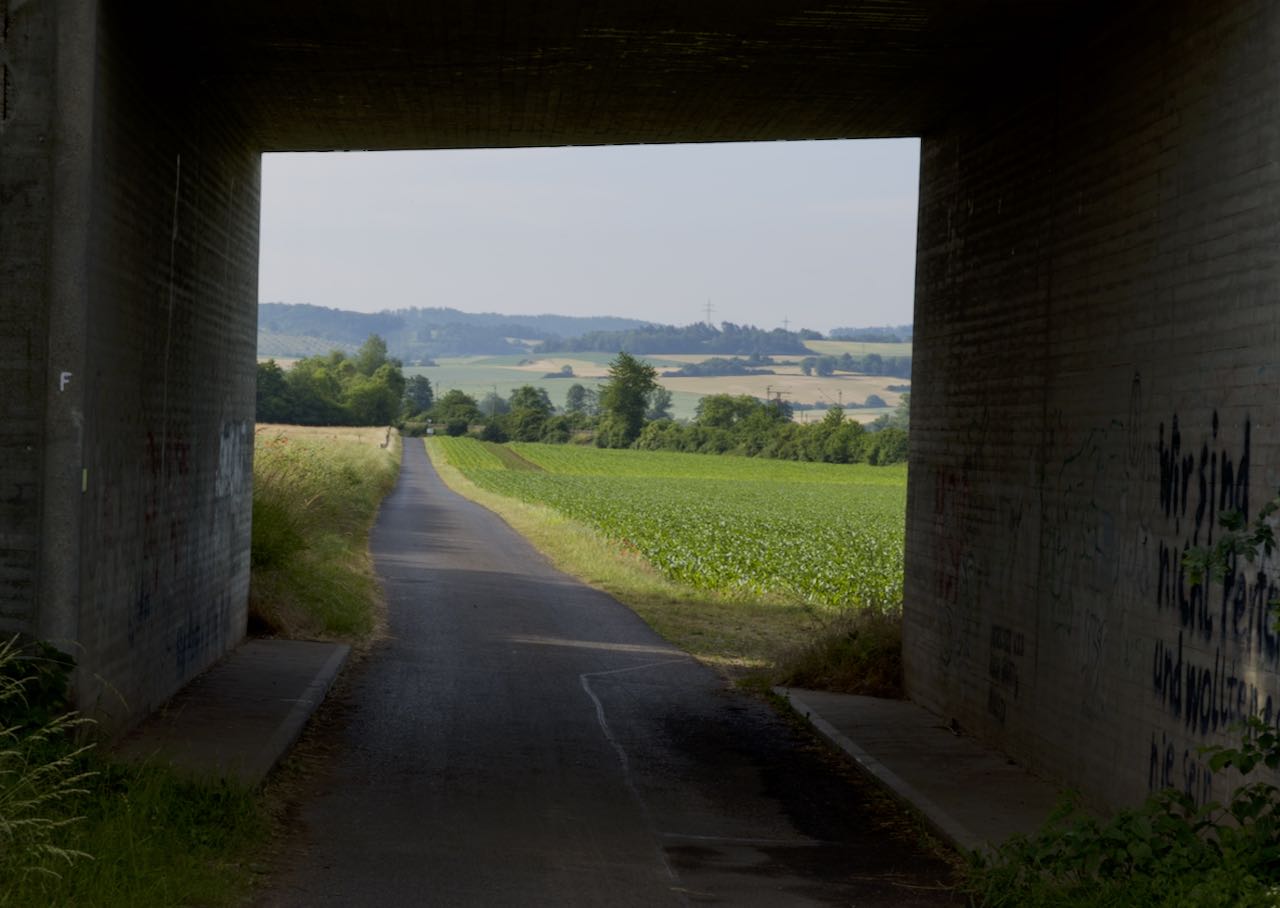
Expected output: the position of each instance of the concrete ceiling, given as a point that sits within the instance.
(327, 74)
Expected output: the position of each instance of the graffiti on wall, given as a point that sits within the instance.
(1216, 665)
(235, 463)
(1004, 668)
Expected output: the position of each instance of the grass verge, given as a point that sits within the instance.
(148, 838)
(752, 639)
(316, 493)
(76, 829)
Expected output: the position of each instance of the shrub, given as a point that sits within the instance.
(856, 653)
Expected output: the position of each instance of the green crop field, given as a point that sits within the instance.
(827, 534)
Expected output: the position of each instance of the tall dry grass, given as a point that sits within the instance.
(316, 492)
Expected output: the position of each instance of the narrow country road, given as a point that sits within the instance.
(522, 739)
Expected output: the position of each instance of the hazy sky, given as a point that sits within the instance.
(819, 233)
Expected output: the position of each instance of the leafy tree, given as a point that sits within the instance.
(901, 418)
(418, 395)
(493, 405)
(371, 356)
(583, 401)
(530, 408)
(724, 411)
(886, 446)
(315, 389)
(659, 404)
(558, 430)
(834, 439)
(624, 398)
(330, 390)
(456, 406)
(376, 399)
(528, 397)
(273, 403)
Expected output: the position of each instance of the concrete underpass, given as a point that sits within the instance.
(1096, 320)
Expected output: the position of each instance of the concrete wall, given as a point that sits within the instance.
(139, 326)
(1095, 381)
(27, 63)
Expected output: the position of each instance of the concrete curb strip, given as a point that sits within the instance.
(942, 823)
(239, 718)
(972, 796)
(290, 729)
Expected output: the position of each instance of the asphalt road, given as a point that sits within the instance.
(522, 739)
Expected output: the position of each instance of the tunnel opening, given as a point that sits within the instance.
(809, 235)
(497, 272)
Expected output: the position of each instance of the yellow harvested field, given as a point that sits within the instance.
(368, 435)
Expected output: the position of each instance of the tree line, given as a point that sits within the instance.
(629, 410)
(745, 425)
(890, 334)
(870, 364)
(755, 364)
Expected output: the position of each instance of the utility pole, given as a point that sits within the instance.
(786, 323)
(709, 309)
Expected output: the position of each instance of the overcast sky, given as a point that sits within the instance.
(819, 233)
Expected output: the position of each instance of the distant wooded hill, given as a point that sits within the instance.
(728, 339)
(294, 330)
(288, 330)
